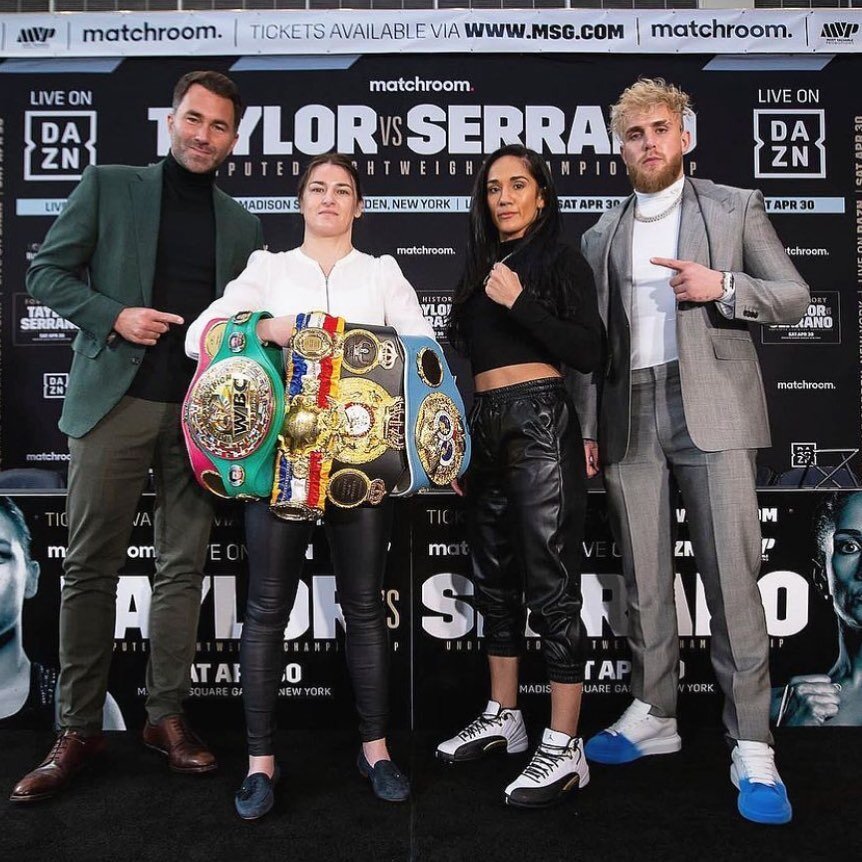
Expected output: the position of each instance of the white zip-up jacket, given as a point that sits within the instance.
(360, 288)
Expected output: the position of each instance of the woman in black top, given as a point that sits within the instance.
(525, 305)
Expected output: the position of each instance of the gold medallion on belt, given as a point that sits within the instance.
(363, 351)
(370, 421)
(440, 438)
(230, 408)
(357, 427)
(314, 343)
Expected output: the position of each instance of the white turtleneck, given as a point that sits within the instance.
(653, 301)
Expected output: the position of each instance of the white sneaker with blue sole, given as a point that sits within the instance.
(634, 735)
(762, 794)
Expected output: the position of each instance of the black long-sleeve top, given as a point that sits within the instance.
(529, 332)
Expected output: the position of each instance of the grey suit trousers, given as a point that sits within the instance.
(718, 491)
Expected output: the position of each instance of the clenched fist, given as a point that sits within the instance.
(503, 285)
(810, 700)
(277, 330)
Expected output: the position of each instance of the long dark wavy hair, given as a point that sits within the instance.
(535, 256)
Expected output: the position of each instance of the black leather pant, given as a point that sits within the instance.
(358, 540)
(527, 494)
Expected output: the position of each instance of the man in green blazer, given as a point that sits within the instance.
(135, 256)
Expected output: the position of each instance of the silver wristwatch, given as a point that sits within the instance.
(727, 286)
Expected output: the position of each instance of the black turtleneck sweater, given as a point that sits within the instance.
(184, 280)
(528, 332)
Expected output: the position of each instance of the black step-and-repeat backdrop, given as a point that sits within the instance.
(418, 126)
(810, 587)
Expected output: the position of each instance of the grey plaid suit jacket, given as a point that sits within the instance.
(724, 228)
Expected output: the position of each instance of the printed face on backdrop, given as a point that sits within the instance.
(202, 130)
(653, 143)
(19, 578)
(513, 196)
(843, 556)
(329, 204)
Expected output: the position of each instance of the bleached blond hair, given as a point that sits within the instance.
(645, 94)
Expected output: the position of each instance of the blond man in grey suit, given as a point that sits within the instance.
(682, 268)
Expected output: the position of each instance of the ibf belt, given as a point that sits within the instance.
(437, 428)
(232, 412)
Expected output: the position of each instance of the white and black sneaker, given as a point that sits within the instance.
(495, 730)
(557, 766)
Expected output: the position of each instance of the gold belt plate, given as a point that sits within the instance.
(370, 421)
(440, 438)
(230, 409)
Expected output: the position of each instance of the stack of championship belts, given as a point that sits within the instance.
(344, 415)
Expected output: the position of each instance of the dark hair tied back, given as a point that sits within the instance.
(337, 159)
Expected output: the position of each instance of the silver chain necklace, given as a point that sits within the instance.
(663, 214)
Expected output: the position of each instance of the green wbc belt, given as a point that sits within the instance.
(233, 411)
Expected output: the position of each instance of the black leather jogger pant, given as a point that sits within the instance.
(527, 493)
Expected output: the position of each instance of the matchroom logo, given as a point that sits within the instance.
(60, 144)
(789, 144)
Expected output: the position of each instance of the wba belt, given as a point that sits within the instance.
(361, 413)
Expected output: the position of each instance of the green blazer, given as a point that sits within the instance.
(99, 257)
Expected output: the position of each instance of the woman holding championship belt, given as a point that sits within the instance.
(326, 273)
(525, 305)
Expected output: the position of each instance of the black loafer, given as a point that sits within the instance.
(257, 795)
(387, 781)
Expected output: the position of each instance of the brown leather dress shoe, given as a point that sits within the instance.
(70, 754)
(183, 748)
